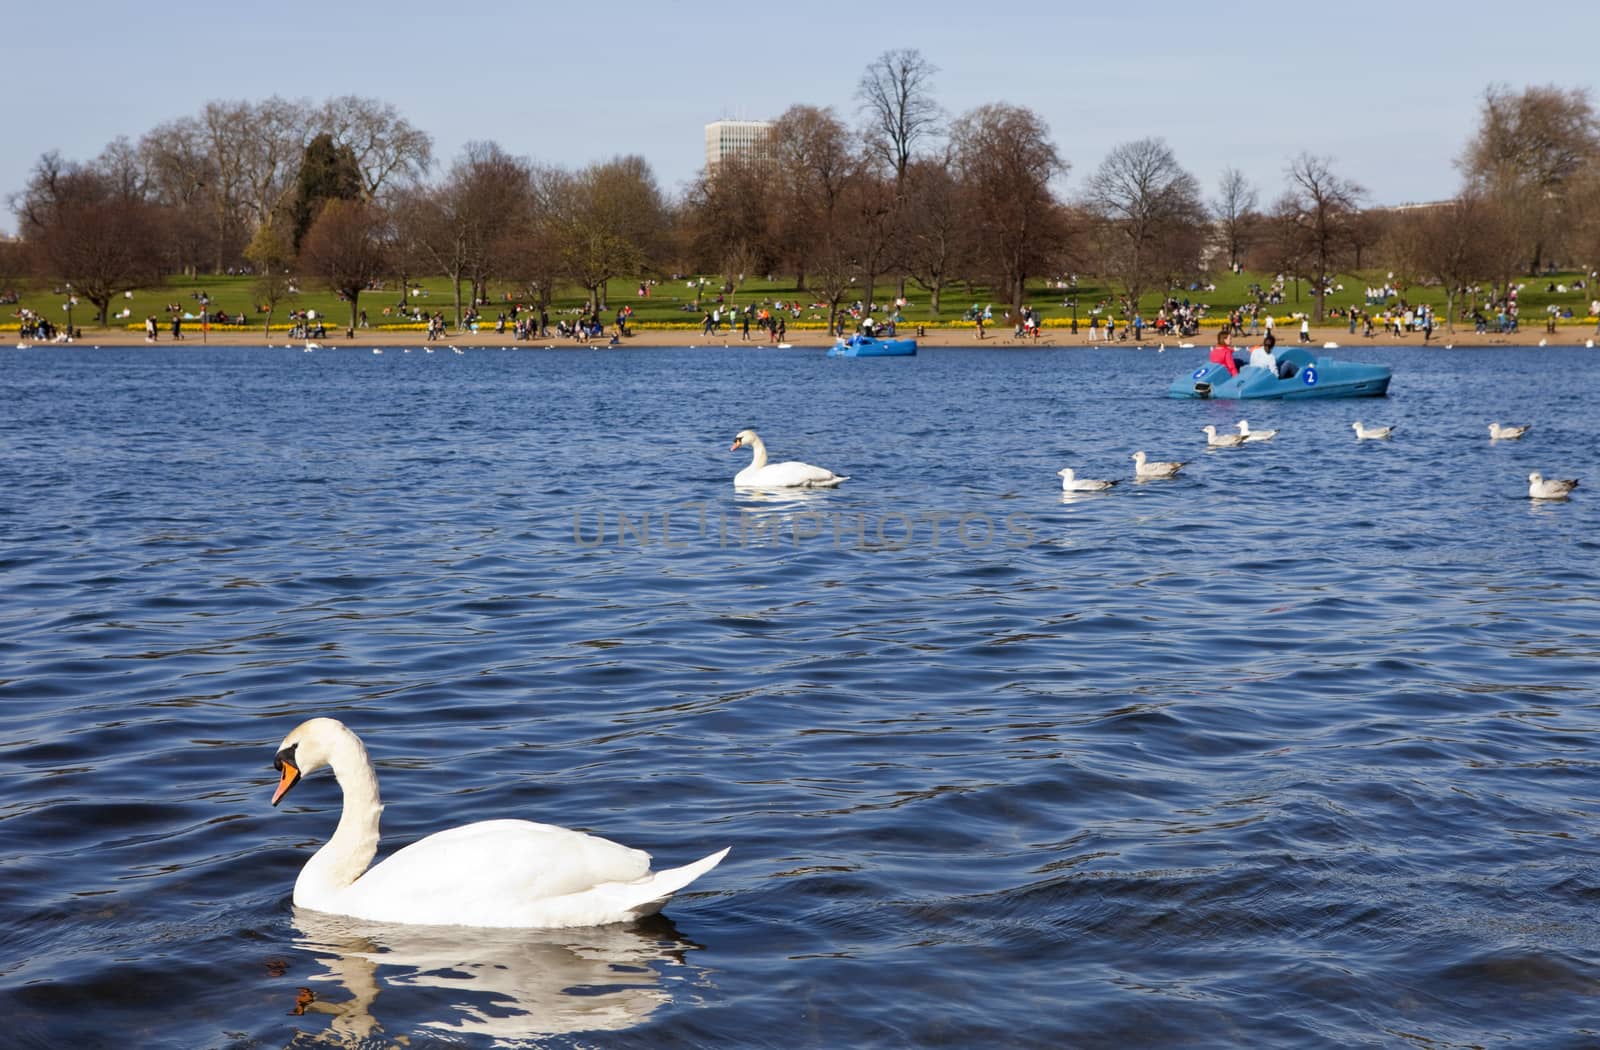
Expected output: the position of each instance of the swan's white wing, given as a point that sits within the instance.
(484, 874)
(790, 475)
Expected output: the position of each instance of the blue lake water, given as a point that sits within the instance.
(1299, 749)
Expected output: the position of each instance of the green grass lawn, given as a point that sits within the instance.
(671, 301)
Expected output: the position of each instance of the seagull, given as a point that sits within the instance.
(1216, 440)
(1543, 342)
(1555, 488)
(1500, 433)
(1254, 435)
(1365, 433)
(1071, 483)
(376, 350)
(1144, 470)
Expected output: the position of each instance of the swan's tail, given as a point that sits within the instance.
(646, 896)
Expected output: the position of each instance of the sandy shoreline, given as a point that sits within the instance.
(1567, 335)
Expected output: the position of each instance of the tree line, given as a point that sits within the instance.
(347, 193)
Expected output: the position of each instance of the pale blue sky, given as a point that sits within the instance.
(1390, 91)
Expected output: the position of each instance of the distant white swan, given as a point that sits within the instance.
(1144, 469)
(1555, 488)
(790, 475)
(1500, 433)
(1366, 433)
(1216, 440)
(313, 346)
(1254, 435)
(1070, 482)
(496, 873)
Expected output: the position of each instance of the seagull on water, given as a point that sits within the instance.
(1500, 433)
(1145, 470)
(1070, 482)
(1366, 433)
(1254, 435)
(1216, 440)
(1555, 488)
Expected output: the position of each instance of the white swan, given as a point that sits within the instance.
(790, 475)
(1070, 482)
(1216, 440)
(1366, 433)
(1555, 488)
(497, 873)
(1254, 435)
(1500, 433)
(1144, 470)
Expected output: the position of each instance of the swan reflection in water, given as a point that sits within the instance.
(508, 985)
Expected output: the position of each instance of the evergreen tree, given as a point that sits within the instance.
(328, 171)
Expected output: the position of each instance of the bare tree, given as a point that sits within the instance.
(1150, 217)
(610, 220)
(183, 179)
(270, 254)
(1285, 247)
(725, 218)
(814, 164)
(457, 224)
(898, 107)
(268, 150)
(1006, 162)
(83, 227)
(1461, 243)
(1529, 148)
(1325, 207)
(936, 237)
(1585, 215)
(346, 248)
(528, 253)
(386, 147)
(1235, 212)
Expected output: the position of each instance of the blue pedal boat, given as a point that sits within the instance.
(1302, 374)
(866, 346)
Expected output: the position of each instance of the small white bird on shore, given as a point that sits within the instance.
(1366, 433)
(1500, 433)
(1254, 435)
(1216, 440)
(1555, 488)
(1145, 470)
(1070, 482)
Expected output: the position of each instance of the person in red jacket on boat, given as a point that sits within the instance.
(1222, 353)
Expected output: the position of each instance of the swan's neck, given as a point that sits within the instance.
(758, 454)
(346, 855)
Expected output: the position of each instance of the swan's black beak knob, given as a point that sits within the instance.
(284, 764)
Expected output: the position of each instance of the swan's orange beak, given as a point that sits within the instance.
(734, 445)
(284, 763)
